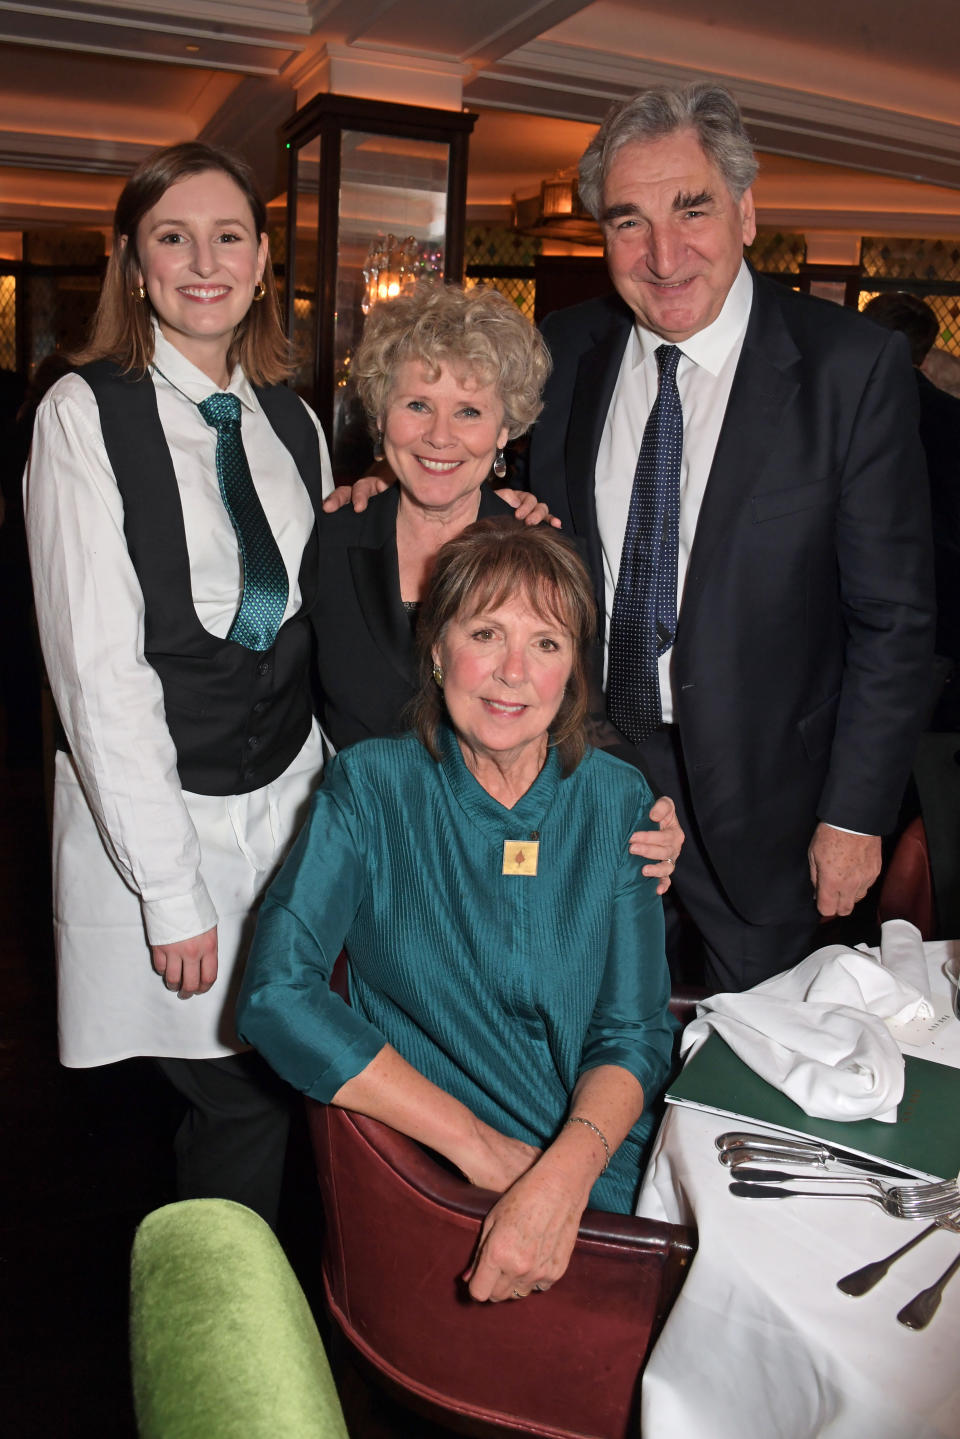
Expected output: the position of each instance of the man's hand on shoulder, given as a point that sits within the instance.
(528, 508)
(843, 866)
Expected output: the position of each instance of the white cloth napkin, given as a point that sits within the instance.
(818, 1032)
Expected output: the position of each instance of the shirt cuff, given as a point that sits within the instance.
(179, 916)
(841, 829)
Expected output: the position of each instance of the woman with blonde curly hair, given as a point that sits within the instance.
(447, 376)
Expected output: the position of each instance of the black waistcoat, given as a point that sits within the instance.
(236, 717)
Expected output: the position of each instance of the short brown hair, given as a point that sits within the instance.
(487, 564)
(122, 328)
(477, 332)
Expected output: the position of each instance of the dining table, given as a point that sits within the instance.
(760, 1343)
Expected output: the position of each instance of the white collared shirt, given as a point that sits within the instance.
(708, 361)
(90, 612)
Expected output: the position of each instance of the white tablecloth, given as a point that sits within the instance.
(760, 1343)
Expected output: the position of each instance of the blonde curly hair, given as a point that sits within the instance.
(475, 333)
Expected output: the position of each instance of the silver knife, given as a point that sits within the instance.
(771, 1146)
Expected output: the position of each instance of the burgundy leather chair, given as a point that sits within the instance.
(400, 1230)
(906, 891)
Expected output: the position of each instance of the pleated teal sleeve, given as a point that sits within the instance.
(501, 988)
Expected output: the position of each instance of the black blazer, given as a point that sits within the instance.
(365, 648)
(802, 659)
(940, 434)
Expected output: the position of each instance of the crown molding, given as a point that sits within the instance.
(77, 154)
(927, 224)
(567, 83)
(151, 34)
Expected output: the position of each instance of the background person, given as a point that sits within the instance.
(173, 597)
(507, 975)
(940, 437)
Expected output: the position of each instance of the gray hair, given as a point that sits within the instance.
(709, 110)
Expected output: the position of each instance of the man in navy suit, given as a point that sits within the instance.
(795, 686)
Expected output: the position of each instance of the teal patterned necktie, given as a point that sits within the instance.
(265, 587)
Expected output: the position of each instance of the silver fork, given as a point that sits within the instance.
(861, 1281)
(940, 1196)
(887, 1201)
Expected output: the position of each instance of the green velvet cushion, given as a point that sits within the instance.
(222, 1339)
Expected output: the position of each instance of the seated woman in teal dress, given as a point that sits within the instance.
(506, 958)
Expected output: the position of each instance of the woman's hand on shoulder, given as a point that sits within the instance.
(528, 508)
(190, 965)
(662, 845)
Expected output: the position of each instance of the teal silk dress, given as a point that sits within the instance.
(501, 988)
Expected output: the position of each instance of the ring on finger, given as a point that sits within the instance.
(518, 1295)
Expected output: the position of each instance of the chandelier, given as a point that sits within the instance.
(392, 266)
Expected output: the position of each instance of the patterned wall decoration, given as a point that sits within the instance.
(776, 252)
(895, 257)
(498, 255)
(499, 245)
(927, 267)
(947, 310)
(8, 322)
(521, 292)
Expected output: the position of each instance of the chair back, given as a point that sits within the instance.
(400, 1230)
(906, 891)
(222, 1340)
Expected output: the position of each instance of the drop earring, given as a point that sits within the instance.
(378, 445)
(438, 676)
(500, 465)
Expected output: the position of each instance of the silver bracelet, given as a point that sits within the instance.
(600, 1135)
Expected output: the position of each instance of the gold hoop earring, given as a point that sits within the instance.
(378, 445)
(139, 292)
(438, 676)
(259, 290)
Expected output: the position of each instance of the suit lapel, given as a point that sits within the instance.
(593, 389)
(376, 583)
(763, 387)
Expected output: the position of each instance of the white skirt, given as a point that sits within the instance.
(112, 1004)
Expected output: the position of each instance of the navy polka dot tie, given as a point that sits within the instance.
(644, 618)
(265, 588)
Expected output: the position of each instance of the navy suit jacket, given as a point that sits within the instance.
(802, 659)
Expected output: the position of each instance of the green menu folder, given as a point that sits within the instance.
(925, 1140)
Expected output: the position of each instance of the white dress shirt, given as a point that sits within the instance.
(122, 771)
(705, 373)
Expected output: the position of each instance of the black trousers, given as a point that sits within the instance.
(708, 941)
(233, 1138)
